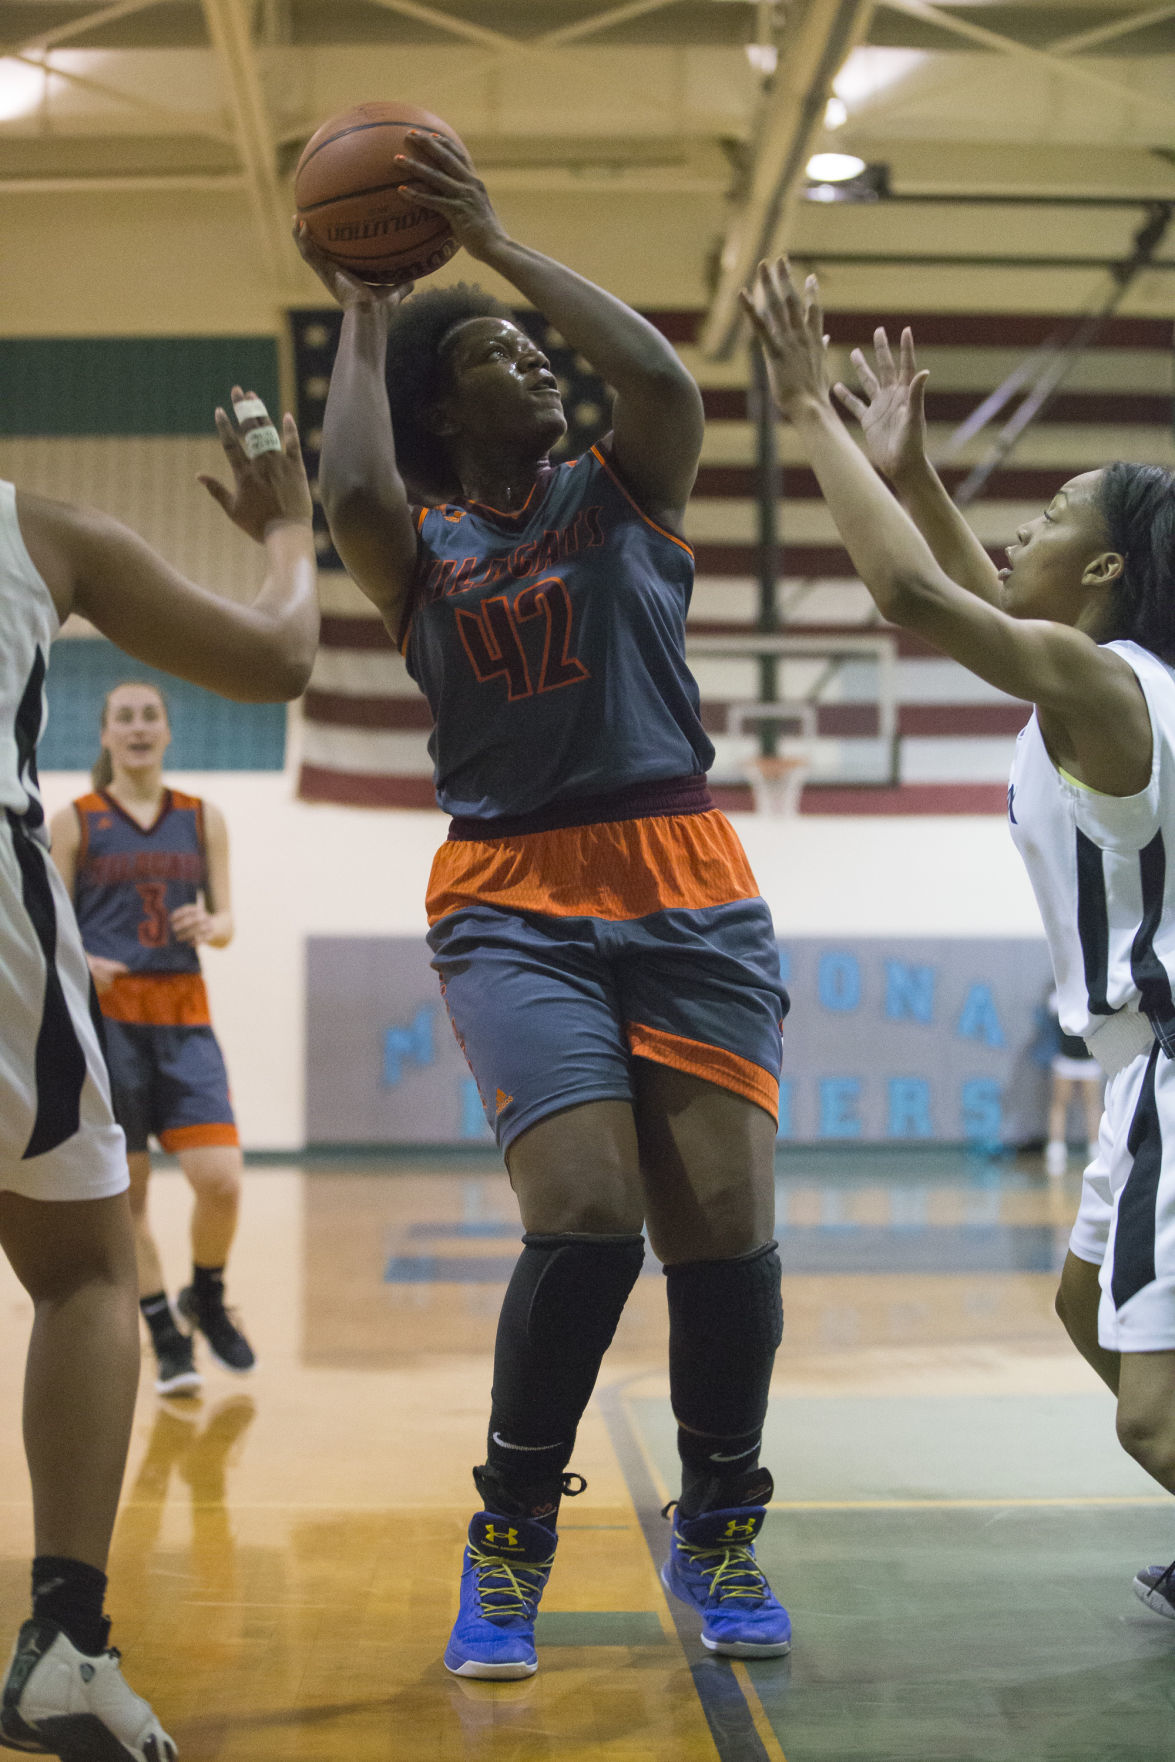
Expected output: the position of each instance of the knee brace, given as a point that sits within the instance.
(725, 1324)
(560, 1312)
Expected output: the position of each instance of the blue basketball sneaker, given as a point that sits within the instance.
(507, 1563)
(712, 1567)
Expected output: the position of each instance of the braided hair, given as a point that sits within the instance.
(416, 379)
(1137, 506)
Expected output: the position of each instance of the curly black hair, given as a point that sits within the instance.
(1137, 506)
(415, 380)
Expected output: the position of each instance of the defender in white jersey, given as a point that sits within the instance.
(1082, 625)
(65, 1222)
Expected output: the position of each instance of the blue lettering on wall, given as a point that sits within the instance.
(982, 1113)
(909, 992)
(411, 1045)
(838, 1104)
(838, 981)
(785, 1094)
(909, 1108)
(978, 1019)
(473, 1118)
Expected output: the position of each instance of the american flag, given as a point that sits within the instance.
(366, 725)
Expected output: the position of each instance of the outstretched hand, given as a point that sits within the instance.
(892, 410)
(439, 174)
(791, 333)
(269, 485)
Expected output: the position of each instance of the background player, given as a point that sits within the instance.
(607, 963)
(65, 1223)
(1081, 624)
(148, 871)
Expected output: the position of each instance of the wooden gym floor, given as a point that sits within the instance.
(955, 1529)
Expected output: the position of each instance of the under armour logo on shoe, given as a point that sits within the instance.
(734, 1529)
(500, 1538)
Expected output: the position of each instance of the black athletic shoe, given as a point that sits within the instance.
(176, 1365)
(1155, 1586)
(225, 1340)
(57, 1701)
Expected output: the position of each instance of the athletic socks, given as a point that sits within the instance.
(157, 1313)
(71, 1594)
(208, 1285)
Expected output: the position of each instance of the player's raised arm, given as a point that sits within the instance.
(891, 412)
(657, 418)
(261, 651)
(1047, 653)
(363, 494)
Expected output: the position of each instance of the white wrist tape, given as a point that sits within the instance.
(247, 408)
(261, 440)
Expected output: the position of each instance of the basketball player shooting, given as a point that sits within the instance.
(608, 965)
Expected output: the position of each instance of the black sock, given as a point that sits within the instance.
(208, 1286)
(717, 1473)
(156, 1312)
(71, 1594)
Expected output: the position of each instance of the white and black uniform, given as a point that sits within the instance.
(58, 1139)
(1103, 871)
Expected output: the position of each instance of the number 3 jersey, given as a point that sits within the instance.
(130, 878)
(550, 645)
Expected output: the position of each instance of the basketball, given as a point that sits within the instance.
(345, 188)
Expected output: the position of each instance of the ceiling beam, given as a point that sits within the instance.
(820, 35)
(1068, 66)
(115, 93)
(599, 21)
(457, 27)
(64, 33)
(228, 27)
(1108, 33)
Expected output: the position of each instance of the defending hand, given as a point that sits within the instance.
(269, 486)
(891, 412)
(791, 334)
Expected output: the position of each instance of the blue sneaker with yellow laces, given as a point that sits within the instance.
(712, 1567)
(507, 1563)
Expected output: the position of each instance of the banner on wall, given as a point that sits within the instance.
(888, 1039)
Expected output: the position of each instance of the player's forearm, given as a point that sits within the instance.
(287, 601)
(358, 455)
(626, 351)
(887, 550)
(956, 548)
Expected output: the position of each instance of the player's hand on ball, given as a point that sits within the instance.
(440, 175)
(344, 288)
(269, 478)
(891, 407)
(790, 329)
(104, 972)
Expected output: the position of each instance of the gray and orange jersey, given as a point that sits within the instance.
(130, 878)
(550, 644)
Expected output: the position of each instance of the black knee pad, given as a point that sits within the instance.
(560, 1312)
(725, 1324)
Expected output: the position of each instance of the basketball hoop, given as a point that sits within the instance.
(777, 782)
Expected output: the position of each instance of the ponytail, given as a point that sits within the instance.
(102, 770)
(1137, 506)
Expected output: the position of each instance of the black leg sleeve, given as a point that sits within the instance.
(558, 1318)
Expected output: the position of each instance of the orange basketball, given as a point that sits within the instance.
(345, 190)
